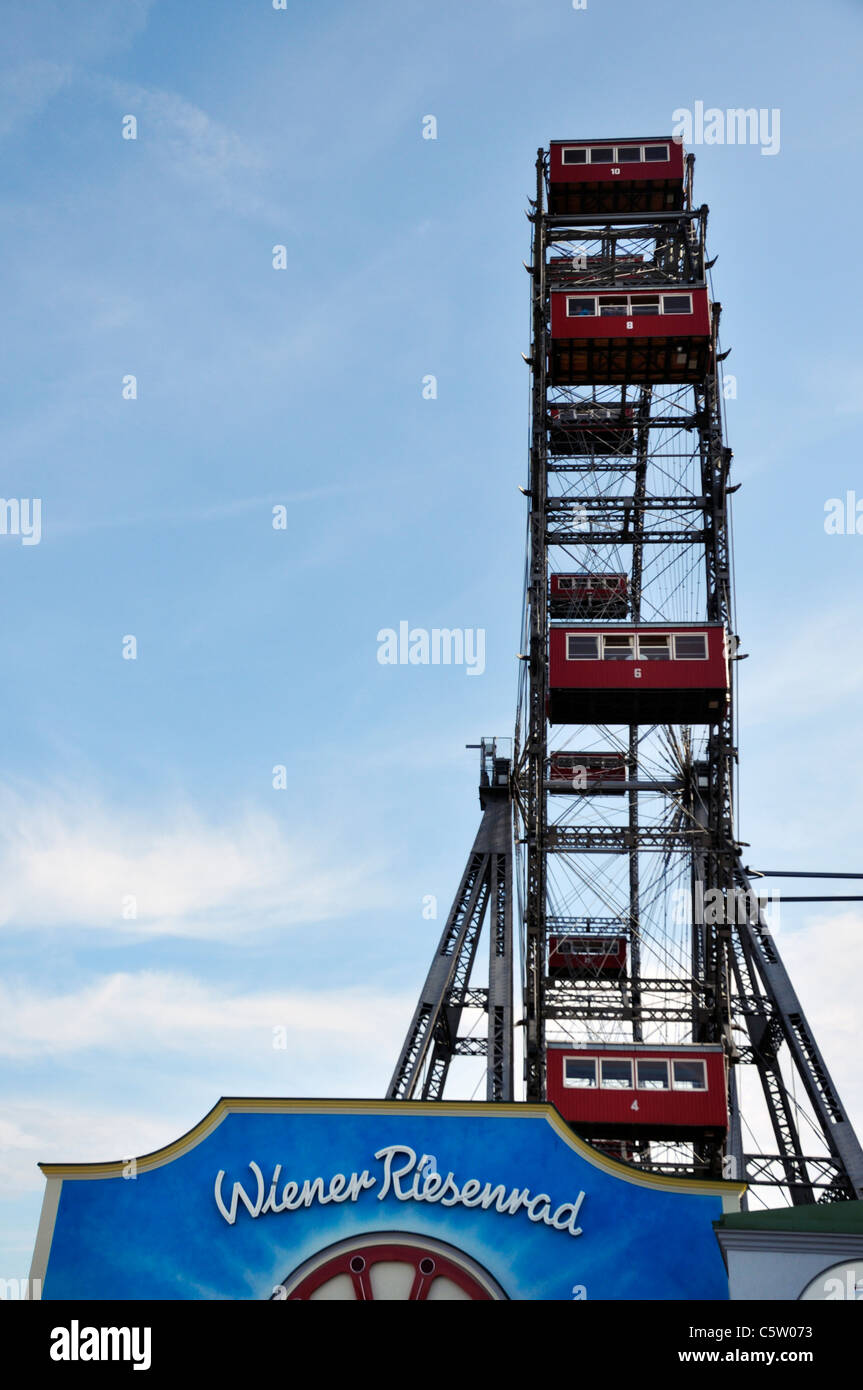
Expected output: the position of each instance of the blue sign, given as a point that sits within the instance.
(280, 1199)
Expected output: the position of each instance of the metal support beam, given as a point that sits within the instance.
(433, 1038)
(836, 1128)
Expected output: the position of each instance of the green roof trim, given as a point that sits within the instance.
(846, 1217)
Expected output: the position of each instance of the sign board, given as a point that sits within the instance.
(318, 1199)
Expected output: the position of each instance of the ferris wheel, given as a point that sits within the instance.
(654, 1009)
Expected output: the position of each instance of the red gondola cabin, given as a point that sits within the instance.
(591, 428)
(615, 176)
(639, 1090)
(588, 596)
(645, 674)
(588, 771)
(586, 956)
(614, 336)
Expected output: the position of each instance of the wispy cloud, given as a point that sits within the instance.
(329, 1042)
(26, 90)
(191, 144)
(66, 860)
(217, 511)
(172, 1012)
(45, 45)
(35, 1133)
(832, 1007)
(831, 1002)
(803, 672)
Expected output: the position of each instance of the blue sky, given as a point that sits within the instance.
(302, 908)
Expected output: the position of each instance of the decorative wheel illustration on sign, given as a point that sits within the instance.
(390, 1266)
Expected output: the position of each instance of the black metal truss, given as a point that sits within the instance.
(825, 1175)
(765, 1170)
(618, 839)
(628, 506)
(640, 785)
(758, 958)
(593, 1012)
(486, 889)
(675, 242)
(623, 537)
(682, 421)
(622, 521)
(535, 733)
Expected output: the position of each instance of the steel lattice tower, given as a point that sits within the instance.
(651, 505)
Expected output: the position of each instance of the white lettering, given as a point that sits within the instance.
(390, 1178)
(239, 1195)
(406, 1178)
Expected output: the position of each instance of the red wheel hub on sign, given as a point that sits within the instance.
(391, 1267)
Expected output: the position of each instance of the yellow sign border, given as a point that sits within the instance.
(729, 1192)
